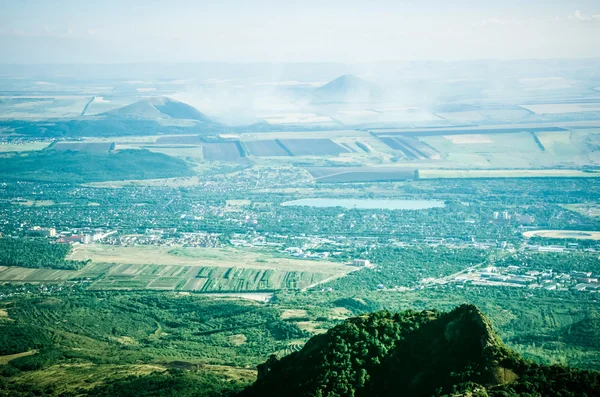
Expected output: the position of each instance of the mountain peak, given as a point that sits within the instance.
(459, 342)
(159, 108)
(348, 88)
(413, 354)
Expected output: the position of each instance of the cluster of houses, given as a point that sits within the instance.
(72, 236)
(515, 276)
(167, 238)
(159, 237)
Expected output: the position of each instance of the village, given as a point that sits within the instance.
(525, 277)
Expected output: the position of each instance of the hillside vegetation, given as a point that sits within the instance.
(415, 354)
(348, 88)
(36, 253)
(157, 108)
(77, 167)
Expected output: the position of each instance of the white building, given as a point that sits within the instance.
(361, 263)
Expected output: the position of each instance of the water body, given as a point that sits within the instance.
(371, 204)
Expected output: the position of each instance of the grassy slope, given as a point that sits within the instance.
(78, 167)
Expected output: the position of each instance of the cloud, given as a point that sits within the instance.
(581, 17)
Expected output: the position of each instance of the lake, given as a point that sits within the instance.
(370, 204)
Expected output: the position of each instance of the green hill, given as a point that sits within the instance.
(347, 88)
(78, 167)
(415, 354)
(159, 108)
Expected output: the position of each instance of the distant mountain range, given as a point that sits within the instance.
(413, 353)
(348, 88)
(159, 108)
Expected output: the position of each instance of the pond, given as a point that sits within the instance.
(366, 203)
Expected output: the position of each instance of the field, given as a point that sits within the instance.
(180, 140)
(8, 358)
(590, 210)
(75, 376)
(187, 152)
(183, 269)
(17, 274)
(84, 146)
(217, 257)
(41, 106)
(225, 151)
(522, 142)
(318, 134)
(411, 148)
(549, 139)
(465, 131)
(22, 147)
(203, 279)
(558, 108)
(312, 147)
(368, 145)
(265, 148)
(468, 139)
(574, 234)
(360, 174)
(463, 116)
(389, 113)
(544, 173)
(419, 148)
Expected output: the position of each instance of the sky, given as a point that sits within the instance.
(349, 31)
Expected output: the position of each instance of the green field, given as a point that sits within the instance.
(521, 173)
(26, 275)
(172, 277)
(183, 269)
(202, 279)
(591, 210)
(25, 147)
(574, 234)
(199, 257)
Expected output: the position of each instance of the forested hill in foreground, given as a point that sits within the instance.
(415, 354)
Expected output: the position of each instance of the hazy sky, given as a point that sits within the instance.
(113, 31)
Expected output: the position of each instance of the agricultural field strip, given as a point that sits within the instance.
(359, 174)
(510, 173)
(465, 131)
(312, 147)
(224, 151)
(202, 257)
(182, 278)
(20, 274)
(317, 172)
(410, 147)
(192, 269)
(353, 177)
(265, 148)
(420, 148)
(570, 234)
(204, 279)
(84, 146)
(591, 210)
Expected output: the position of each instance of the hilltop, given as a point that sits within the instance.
(415, 354)
(159, 108)
(348, 88)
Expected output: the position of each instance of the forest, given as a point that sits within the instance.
(36, 253)
(412, 353)
(79, 167)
